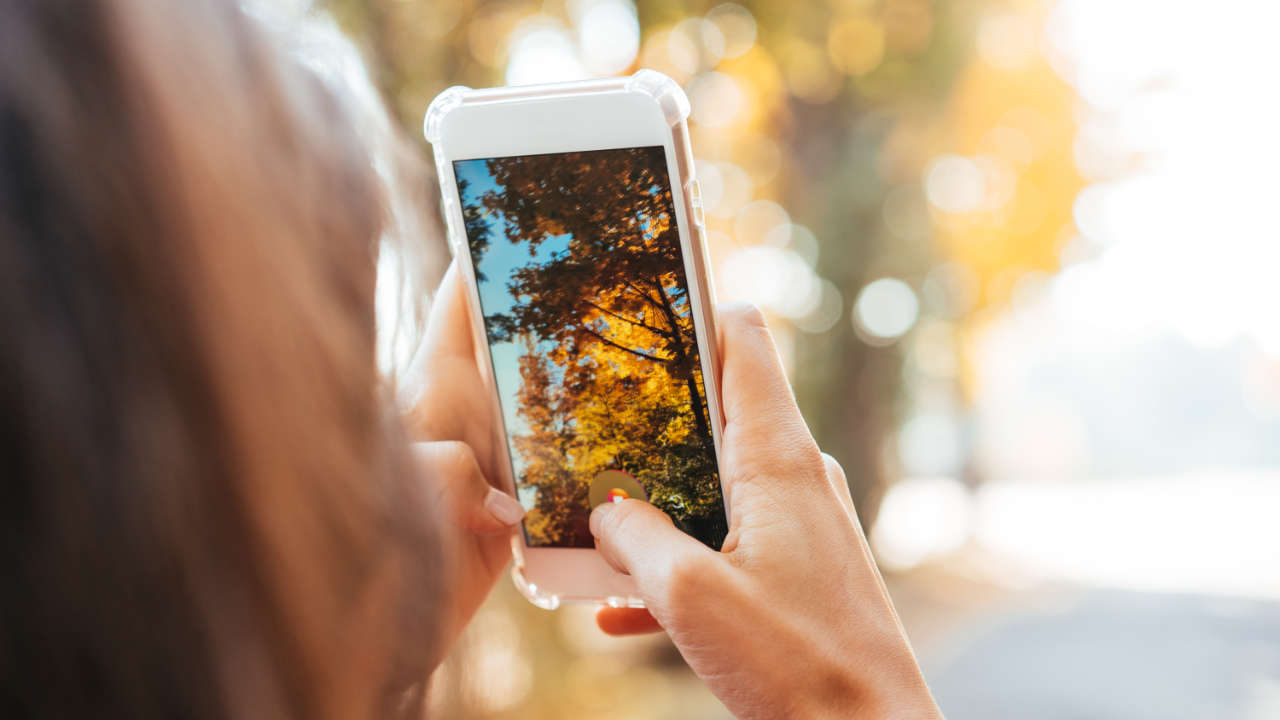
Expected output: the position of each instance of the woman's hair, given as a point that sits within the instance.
(207, 505)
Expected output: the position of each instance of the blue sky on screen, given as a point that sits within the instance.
(501, 260)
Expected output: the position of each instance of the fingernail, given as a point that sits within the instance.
(597, 517)
(502, 506)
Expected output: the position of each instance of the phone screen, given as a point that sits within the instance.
(591, 333)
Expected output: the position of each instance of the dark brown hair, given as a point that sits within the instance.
(207, 508)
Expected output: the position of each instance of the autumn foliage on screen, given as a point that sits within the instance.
(582, 282)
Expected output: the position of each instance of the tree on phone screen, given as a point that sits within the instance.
(477, 229)
(611, 376)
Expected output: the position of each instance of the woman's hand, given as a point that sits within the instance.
(460, 459)
(791, 619)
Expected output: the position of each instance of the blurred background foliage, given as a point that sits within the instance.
(822, 132)
(1019, 256)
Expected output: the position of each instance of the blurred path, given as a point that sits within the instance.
(1068, 654)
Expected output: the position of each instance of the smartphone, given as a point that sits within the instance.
(576, 211)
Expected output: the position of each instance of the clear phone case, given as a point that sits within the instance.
(674, 104)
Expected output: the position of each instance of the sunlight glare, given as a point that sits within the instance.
(542, 51)
(1007, 41)
(499, 676)
(609, 35)
(921, 519)
(929, 444)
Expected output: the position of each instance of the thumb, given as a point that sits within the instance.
(639, 540)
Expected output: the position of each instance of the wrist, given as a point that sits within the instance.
(887, 688)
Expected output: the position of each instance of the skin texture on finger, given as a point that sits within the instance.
(480, 542)
(763, 427)
(456, 404)
(456, 409)
(752, 378)
(761, 394)
(773, 475)
(461, 490)
(792, 619)
(839, 483)
(638, 539)
(448, 325)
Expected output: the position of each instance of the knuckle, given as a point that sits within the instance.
(689, 576)
(454, 457)
(749, 474)
(745, 314)
(784, 461)
(834, 469)
(751, 316)
(809, 462)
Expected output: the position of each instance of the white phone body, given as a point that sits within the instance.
(643, 110)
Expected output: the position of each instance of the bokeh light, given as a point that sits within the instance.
(737, 28)
(885, 310)
(543, 51)
(716, 99)
(773, 278)
(856, 45)
(826, 313)
(759, 220)
(609, 35)
(955, 184)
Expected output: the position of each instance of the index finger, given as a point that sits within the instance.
(449, 330)
(764, 430)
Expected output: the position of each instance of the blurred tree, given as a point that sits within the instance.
(886, 64)
(859, 96)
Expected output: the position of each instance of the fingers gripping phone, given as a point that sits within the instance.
(576, 208)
